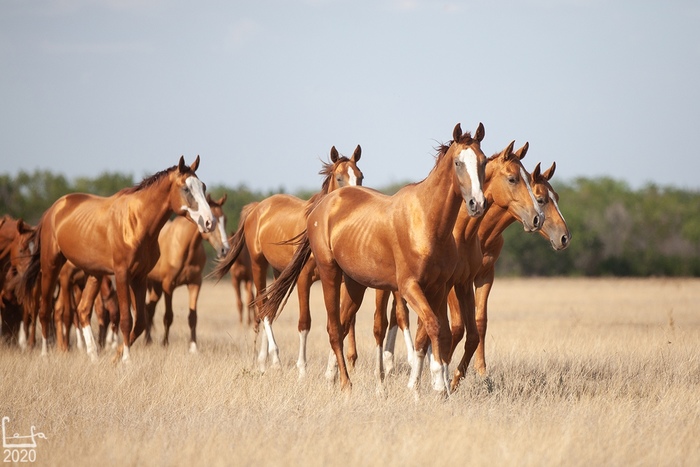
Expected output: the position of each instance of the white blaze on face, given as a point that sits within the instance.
(532, 194)
(352, 179)
(222, 232)
(556, 205)
(203, 216)
(469, 159)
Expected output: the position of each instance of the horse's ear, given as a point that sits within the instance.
(508, 151)
(222, 200)
(549, 173)
(536, 173)
(457, 132)
(209, 200)
(181, 164)
(356, 155)
(195, 164)
(480, 132)
(334, 154)
(522, 151)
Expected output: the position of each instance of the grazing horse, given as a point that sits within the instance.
(242, 276)
(114, 235)
(15, 248)
(181, 262)
(401, 243)
(491, 230)
(266, 227)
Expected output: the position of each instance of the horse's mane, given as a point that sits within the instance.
(442, 149)
(146, 182)
(327, 172)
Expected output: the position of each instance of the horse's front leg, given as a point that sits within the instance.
(138, 290)
(192, 317)
(121, 280)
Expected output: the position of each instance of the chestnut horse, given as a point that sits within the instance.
(114, 235)
(266, 227)
(491, 231)
(242, 277)
(181, 262)
(15, 250)
(506, 187)
(402, 242)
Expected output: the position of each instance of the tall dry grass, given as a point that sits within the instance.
(581, 372)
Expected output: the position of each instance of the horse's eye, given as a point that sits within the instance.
(458, 163)
(512, 180)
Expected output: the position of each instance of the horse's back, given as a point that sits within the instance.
(274, 220)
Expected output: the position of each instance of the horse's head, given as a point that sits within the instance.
(554, 228)
(22, 247)
(510, 187)
(217, 237)
(469, 165)
(341, 171)
(187, 196)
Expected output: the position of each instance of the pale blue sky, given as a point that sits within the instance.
(263, 89)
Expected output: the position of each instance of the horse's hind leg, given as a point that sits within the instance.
(306, 278)
(192, 317)
(92, 287)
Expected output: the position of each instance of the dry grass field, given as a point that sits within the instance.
(581, 372)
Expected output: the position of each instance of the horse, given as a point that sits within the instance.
(491, 231)
(402, 243)
(242, 277)
(18, 253)
(506, 187)
(14, 247)
(181, 262)
(265, 228)
(113, 235)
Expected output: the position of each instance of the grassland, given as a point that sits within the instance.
(581, 372)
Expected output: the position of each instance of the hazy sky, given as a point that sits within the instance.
(263, 89)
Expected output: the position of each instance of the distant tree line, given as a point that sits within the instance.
(616, 231)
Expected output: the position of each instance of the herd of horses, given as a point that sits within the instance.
(432, 247)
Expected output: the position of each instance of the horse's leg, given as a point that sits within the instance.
(483, 285)
(456, 314)
(155, 291)
(121, 280)
(259, 268)
(379, 328)
(331, 277)
(400, 314)
(465, 295)
(193, 289)
(239, 298)
(429, 333)
(138, 291)
(92, 287)
(249, 305)
(304, 282)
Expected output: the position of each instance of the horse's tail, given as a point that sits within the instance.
(237, 242)
(282, 287)
(25, 291)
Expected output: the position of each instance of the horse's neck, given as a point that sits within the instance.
(440, 199)
(155, 210)
(495, 222)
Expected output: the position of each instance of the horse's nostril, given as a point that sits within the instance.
(472, 204)
(564, 239)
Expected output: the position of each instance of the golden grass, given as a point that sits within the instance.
(581, 372)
